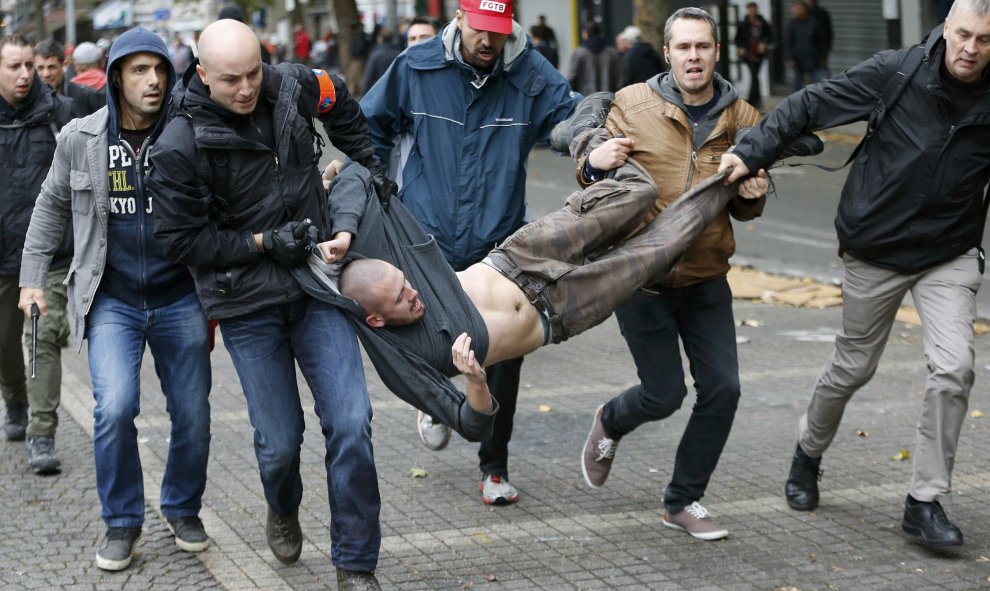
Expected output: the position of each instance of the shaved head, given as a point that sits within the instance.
(230, 65)
(225, 41)
(382, 291)
(361, 279)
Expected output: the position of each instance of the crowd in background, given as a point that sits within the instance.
(596, 64)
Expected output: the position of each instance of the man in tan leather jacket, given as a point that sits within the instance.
(678, 125)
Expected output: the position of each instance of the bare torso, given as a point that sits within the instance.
(514, 327)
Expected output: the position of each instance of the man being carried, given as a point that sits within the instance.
(549, 281)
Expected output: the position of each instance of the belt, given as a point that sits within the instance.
(532, 288)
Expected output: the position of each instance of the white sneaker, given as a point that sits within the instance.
(434, 435)
(496, 490)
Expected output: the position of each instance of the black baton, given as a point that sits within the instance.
(35, 313)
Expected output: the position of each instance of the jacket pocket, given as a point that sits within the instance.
(581, 201)
(82, 191)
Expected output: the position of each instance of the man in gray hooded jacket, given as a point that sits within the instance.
(126, 294)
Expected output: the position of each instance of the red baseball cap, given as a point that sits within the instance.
(489, 15)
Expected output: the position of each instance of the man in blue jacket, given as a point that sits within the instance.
(910, 219)
(125, 295)
(476, 98)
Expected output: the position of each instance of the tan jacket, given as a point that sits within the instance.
(664, 146)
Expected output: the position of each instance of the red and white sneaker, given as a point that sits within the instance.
(496, 490)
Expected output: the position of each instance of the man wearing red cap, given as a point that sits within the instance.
(476, 98)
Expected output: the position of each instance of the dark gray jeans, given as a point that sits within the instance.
(578, 263)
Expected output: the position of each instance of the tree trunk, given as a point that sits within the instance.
(40, 30)
(651, 15)
(347, 13)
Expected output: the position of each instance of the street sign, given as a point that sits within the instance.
(163, 14)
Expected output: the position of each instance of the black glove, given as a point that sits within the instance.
(290, 245)
(384, 187)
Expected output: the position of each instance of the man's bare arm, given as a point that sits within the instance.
(478, 395)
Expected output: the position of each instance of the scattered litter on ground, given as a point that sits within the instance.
(901, 455)
(750, 284)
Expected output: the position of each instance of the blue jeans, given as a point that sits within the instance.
(701, 315)
(177, 336)
(264, 346)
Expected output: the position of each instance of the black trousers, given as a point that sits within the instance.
(701, 315)
(503, 382)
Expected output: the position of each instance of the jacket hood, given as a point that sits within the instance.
(933, 41)
(136, 40)
(515, 45)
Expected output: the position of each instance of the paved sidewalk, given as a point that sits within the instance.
(561, 535)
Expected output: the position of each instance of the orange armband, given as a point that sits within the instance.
(328, 94)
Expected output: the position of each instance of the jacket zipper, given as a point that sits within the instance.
(139, 199)
(694, 162)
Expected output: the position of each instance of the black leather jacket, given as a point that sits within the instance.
(213, 234)
(27, 145)
(914, 195)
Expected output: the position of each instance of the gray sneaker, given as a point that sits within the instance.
(434, 435)
(349, 580)
(598, 453)
(190, 535)
(41, 456)
(117, 549)
(496, 490)
(15, 425)
(697, 521)
(284, 536)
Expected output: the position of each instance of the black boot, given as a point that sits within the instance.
(284, 535)
(801, 488)
(927, 520)
(15, 425)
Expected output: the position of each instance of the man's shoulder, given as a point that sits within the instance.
(428, 55)
(531, 73)
(744, 113)
(76, 135)
(639, 96)
(178, 133)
